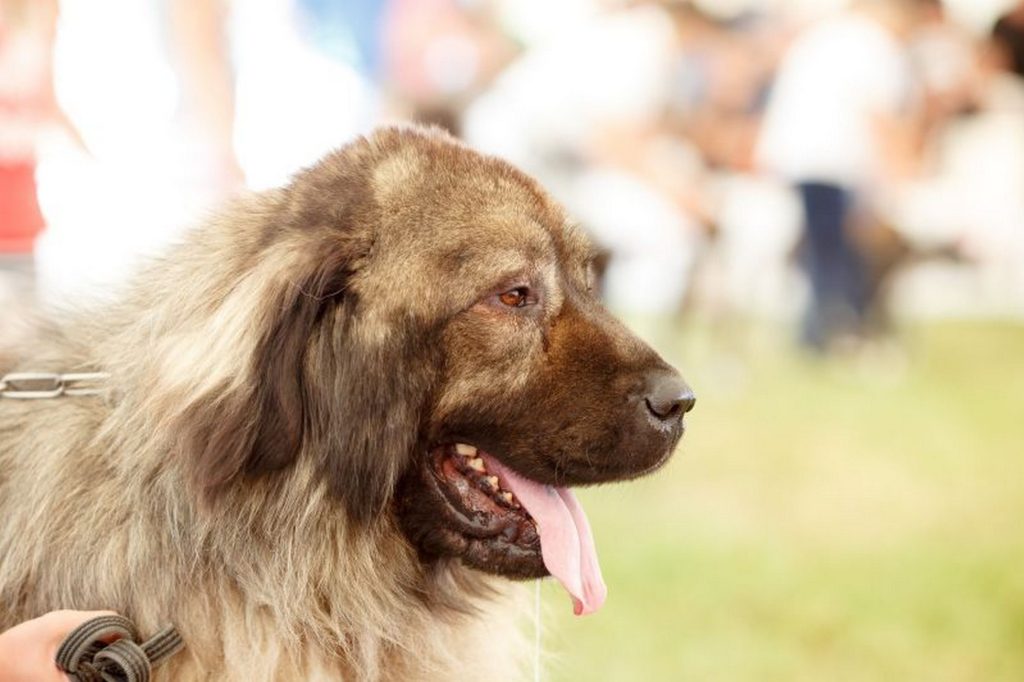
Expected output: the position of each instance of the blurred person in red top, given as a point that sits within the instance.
(27, 106)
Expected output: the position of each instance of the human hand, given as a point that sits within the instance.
(27, 651)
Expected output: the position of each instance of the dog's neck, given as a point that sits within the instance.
(355, 594)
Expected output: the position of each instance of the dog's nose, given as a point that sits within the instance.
(668, 396)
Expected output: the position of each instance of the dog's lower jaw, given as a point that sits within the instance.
(450, 509)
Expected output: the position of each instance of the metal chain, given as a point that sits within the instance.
(45, 385)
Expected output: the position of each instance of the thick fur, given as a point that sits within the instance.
(272, 380)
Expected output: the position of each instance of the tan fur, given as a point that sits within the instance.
(278, 381)
(272, 583)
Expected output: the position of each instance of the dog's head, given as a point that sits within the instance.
(435, 346)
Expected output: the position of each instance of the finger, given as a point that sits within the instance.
(59, 623)
(55, 626)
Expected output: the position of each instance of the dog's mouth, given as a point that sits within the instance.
(498, 521)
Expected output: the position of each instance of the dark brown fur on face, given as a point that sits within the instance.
(264, 472)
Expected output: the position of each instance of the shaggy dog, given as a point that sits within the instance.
(336, 416)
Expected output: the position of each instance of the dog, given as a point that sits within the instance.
(339, 417)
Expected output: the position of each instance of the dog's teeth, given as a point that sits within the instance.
(465, 450)
(476, 463)
(507, 496)
(492, 481)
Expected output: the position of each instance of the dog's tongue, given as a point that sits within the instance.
(566, 542)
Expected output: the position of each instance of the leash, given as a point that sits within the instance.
(46, 385)
(86, 657)
(84, 654)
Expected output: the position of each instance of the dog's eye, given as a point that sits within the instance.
(515, 298)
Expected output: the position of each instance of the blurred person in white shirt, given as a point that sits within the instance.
(181, 103)
(971, 201)
(841, 124)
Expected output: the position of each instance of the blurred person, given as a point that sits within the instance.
(303, 79)
(150, 87)
(841, 124)
(720, 81)
(28, 109)
(722, 77)
(182, 103)
(956, 243)
(585, 111)
(26, 102)
(970, 201)
(440, 54)
(199, 54)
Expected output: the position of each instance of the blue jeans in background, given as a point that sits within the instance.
(835, 270)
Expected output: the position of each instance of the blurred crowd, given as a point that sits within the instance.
(829, 163)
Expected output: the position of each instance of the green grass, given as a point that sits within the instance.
(841, 520)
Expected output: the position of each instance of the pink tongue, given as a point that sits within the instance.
(566, 542)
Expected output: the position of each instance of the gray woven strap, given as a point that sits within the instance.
(85, 657)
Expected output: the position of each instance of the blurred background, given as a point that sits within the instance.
(815, 208)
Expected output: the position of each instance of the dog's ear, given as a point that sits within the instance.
(373, 382)
(255, 421)
(320, 372)
(328, 379)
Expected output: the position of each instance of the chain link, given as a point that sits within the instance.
(45, 386)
